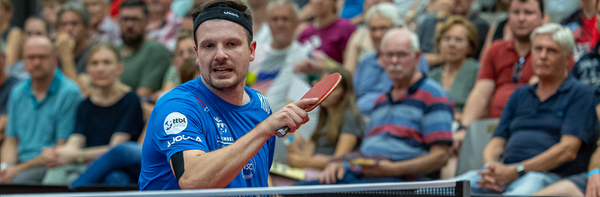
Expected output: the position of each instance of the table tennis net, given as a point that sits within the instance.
(422, 191)
(444, 188)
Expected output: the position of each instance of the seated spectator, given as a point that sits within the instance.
(327, 32)
(578, 185)
(111, 115)
(426, 35)
(456, 41)
(421, 135)
(370, 79)
(121, 165)
(6, 84)
(339, 130)
(262, 34)
(49, 13)
(163, 25)
(360, 45)
(584, 26)
(547, 130)
(184, 50)
(586, 70)
(72, 42)
(506, 66)
(41, 113)
(14, 58)
(102, 26)
(145, 61)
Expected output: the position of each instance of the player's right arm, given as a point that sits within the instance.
(197, 169)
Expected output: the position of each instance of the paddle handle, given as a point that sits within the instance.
(282, 131)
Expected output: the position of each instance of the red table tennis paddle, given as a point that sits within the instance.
(321, 90)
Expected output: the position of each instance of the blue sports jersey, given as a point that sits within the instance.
(191, 117)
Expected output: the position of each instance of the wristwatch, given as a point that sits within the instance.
(461, 127)
(520, 169)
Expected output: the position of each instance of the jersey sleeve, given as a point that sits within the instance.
(177, 126)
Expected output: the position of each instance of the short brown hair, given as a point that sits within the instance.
(458, 20)
(235, 4)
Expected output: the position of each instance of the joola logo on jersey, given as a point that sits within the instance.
(174, 123)
(183, 137)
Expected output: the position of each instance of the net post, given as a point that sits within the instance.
(463, 188)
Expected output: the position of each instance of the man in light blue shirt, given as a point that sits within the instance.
(41, 113)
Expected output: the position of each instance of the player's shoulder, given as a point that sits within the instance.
(184, 96)
(259, 100)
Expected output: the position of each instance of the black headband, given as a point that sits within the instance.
(224, 13)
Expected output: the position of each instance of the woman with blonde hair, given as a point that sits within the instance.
(111, 115)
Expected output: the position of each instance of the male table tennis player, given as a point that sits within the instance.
(213, 132)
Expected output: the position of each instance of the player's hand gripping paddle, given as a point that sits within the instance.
(321, 90)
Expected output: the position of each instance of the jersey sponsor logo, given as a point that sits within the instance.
(174, 123)
(220, 125)
(248, 170)
(264, 103)
(181, 138)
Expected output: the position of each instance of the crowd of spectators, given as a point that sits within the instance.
(79, 79)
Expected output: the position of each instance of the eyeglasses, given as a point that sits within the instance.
(400, 55)
(517, 70)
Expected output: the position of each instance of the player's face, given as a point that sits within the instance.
(223, 54)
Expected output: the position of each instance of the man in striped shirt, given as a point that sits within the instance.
(408, 134)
